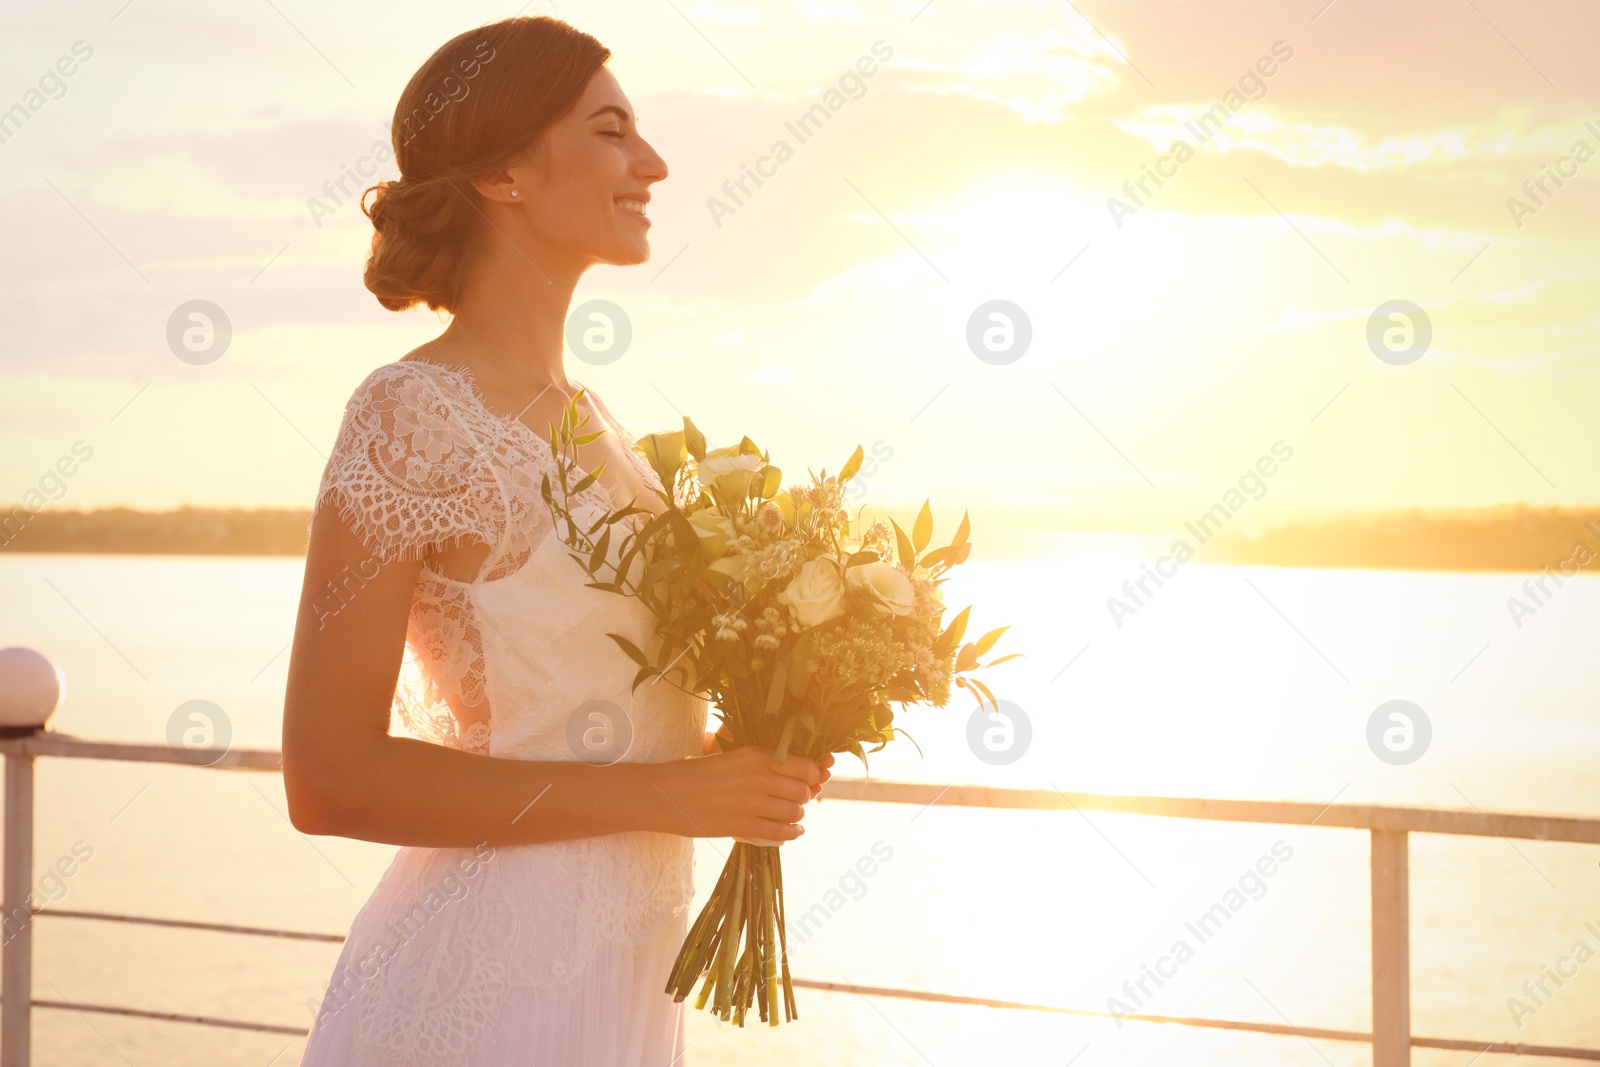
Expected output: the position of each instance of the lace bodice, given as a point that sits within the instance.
(514, 663)
(421, 464)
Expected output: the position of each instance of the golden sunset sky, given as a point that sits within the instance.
(1359, 152)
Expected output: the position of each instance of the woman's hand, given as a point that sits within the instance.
(711, 748)
(823, 764)
(739, 793)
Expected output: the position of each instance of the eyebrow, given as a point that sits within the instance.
(619, 112)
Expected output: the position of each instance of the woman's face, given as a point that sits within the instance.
(583, 190)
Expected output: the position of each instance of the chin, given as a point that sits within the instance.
(630, 256)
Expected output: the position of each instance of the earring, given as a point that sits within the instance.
(513, 192)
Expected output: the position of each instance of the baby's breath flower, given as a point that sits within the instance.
(771, 621)
(729, 622)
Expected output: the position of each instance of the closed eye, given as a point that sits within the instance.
(612, 133)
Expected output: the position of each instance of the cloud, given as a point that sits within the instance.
(268, 158)
(1307, 144)
(1037, 75)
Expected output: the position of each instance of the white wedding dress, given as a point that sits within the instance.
(554, 954)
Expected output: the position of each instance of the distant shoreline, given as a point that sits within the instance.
(182, 532)
(1493, 539)
(1521, 539)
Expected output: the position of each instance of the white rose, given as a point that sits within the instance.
(885, 585)
(816, 594)
(715, 466)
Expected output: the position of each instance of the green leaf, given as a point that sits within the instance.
(908, 555)
(662, 567)
(986, 642)
(947, 640)
(631, 649)
(587, 480)
(962, 531)
(851, 466)
(598, 556)
(644, 672)
(683, 532)
(588, 438)
(967, 659)
(631, 548)
(671, 515)
(922, 530)
(1002, 659)
(861, 557)
(937, 557)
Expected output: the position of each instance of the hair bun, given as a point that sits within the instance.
(421, 228)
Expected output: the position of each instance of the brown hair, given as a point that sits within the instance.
(475, 105)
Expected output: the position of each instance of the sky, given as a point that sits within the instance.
(1340, 260)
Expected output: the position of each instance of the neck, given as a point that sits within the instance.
(510, 321)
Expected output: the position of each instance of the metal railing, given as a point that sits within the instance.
(1390, 829)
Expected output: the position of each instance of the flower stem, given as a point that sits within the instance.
(770, 957)
(730, 943)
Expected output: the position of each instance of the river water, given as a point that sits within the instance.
(1226, 681)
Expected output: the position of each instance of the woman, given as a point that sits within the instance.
(546, 807)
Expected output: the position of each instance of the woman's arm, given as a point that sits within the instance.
(344, 774)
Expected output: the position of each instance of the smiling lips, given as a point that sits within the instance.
(634, 207)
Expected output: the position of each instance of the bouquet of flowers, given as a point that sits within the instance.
(803, 632)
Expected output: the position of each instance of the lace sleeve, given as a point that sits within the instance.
(407, 474)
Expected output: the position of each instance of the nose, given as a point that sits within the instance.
(649, 165)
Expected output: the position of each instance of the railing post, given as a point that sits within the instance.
(1391, 949)
(16, 957)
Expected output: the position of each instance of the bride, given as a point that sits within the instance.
(546, 809)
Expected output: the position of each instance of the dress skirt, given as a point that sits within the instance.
(618, 1016)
